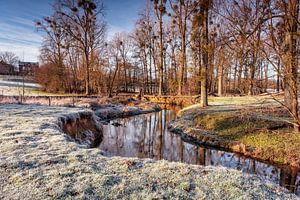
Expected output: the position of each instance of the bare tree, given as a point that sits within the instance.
(53, 49)
(82, 21)
(9, 58)
(182, 11)
(283, 19)
(160, 10)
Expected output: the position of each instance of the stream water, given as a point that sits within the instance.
(147, 136)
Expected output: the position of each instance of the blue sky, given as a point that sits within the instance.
(18, 33)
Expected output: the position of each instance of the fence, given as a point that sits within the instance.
(44, 100)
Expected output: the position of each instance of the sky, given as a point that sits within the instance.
(17, 28)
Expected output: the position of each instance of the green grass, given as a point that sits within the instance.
(43, 93)
(234, 124)
(280, 146)
(271, 139)
(237, 100)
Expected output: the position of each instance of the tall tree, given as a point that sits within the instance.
(82, 21)
(182, 11)
(204, 9)
(53, 50)
(291, 59)
(282, 45)
(160, 11)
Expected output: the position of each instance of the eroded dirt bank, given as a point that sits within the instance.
(38, 161)
(83, 127)
(86, 127)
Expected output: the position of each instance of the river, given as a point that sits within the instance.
(147, 136)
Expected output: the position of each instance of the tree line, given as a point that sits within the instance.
(177, 47)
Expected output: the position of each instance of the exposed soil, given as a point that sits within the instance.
(85, 129)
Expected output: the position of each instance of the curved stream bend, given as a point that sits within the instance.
(147, 136)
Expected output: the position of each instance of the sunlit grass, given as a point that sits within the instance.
(257, 122)
(279, 145)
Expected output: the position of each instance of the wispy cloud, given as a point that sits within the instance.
(20, 37)
(22, 21)
(17, 33)
(17, 29)
(28, 52)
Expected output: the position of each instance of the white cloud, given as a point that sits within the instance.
(23, 21)
(19, 36)
(29, 52)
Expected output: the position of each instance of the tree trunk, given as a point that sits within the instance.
(252, 75)
(161, 64)
(278, 77)
(291, 71)
(204, 101)
(220, 80)
(87, 81)
(113, 80)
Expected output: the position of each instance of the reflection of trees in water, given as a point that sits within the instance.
(201, 156)
(160, 136)
(285, 177)
(288, 179)
(141, 137)
(298, 184)
(147, 136)
(150, 138)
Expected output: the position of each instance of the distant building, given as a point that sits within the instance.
(6, 69)
(28, 68)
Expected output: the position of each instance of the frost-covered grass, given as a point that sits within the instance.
(13, 86)
(37, 161)
(28, 91)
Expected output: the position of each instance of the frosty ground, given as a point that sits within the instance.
(39, 161)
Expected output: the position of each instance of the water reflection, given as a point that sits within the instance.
(146, 136)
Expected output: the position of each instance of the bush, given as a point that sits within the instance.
(51, 78)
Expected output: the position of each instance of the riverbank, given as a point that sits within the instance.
(39, 161)
(254, 127)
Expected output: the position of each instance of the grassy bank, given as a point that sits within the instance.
(261, 126)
